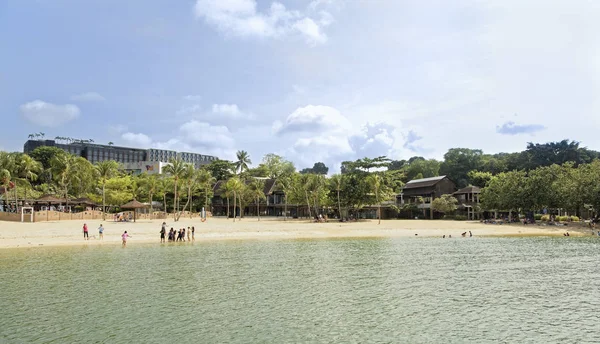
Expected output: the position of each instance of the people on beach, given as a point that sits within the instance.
(189, 234)
(470, 234)
(85, 232)
(124, 236)
(193, 231)
(101, 232)
(162, 233)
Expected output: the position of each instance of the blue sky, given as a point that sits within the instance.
(313, 80)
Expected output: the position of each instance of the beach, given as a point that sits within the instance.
(60, 233)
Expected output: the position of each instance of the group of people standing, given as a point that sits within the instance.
(177, 235)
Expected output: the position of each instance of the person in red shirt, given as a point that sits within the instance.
(85, 232)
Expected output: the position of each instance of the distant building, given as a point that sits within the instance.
(428, 189)
(149, 167)
(135, 158)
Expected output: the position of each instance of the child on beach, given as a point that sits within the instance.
(125, 236)
(85, 232)
(162, 233)
(101, 232)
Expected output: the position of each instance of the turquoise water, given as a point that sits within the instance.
(408, 290)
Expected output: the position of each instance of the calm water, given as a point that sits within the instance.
(410, 290)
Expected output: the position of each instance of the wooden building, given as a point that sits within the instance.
(468, 201)
(422, 192)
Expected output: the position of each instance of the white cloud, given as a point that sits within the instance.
(241, 18)
(88, 97)
(47, 114)
(192, 97)
(227, 109)
(137, 139)
(313, 119)
(192, 136)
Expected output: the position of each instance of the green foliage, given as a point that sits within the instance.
(318, 168)
(243, 160)
(458, 162)
(445, 204)
(479, 178)
(220, 169)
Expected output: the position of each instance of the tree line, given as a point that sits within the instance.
(551, 175)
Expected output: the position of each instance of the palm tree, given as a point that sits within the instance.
(30, 136)
(374, 181)
(28, 170)
(286, 184)
(226, 191)
(42, 135)
(243, 160)
(106, 169)
(337, 180)
(189, 179)
(152, 187)
(205, 180)
(110, 143)
(7, 170)
(63, 168)
(176, 169)
(257, 191)
(236, 187)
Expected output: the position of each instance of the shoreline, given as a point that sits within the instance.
(69, 233)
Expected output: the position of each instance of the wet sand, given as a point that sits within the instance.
(15, 234)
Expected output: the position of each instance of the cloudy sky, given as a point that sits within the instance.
(313, 80)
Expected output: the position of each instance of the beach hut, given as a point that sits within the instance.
(49, 200)
(135, 205)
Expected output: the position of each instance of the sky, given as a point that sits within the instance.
(311, 80)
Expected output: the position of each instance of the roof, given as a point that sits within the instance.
(422, 183)
(133, 205)
(50, 199)
(469, 189)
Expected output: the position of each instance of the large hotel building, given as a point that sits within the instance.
(133, 159)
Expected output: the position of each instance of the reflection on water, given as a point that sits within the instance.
(417, 290)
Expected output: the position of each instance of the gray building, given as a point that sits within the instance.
(125, 155)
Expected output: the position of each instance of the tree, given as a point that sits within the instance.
(220, 169)
(479, 178)
(458, 162)
(7, 171)
(206, 181)
(106, 169)
(424, 168)
(243, 160)
(256, 190)
(380, 190)
(64, 171)
(445, 204)
(337, 181)
(190, 179)
(227, 191)
(235, 186)
(318, 168)
(176, 170)
(28, 170)
(277, 166)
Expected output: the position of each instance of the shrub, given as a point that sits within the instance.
(545, 218)
(537, 217)
(460, 218)
(562, 218)
(575, 218)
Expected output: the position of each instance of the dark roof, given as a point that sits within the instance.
(84, 201)
(50, 199)
(469, 189)
(422, 183)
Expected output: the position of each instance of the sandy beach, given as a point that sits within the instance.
(14, 234)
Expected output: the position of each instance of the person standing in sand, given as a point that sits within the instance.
(193, 231)
(189, 234)
(124, 236)
(85, 232)
(101, 232)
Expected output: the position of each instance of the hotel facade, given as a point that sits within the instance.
(134, 159)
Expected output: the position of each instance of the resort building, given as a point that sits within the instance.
(468, 201)
(124, 155)
(421, 192)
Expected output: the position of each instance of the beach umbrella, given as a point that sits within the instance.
(133, 205)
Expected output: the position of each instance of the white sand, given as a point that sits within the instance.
(15, 234)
